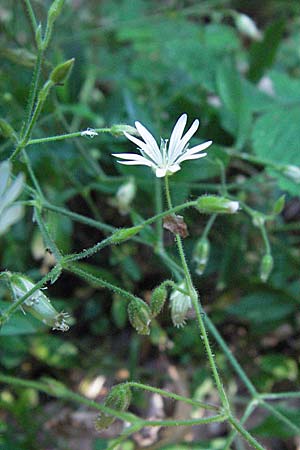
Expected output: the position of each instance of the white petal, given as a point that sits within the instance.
(10, 216)
(177, 134)
(185, 157)
(137, 163)
(174, 168)
(133, 156)
(5, 169)
(198, 148)
(182, 143)
(152, 147)
(142, 146)
(135, 140)
(160, 172)
(13, 191)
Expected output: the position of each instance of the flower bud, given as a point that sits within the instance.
(266, 267)
(119, 399)
(123, 234)
(37, 304)
(125, 195)
(247, 27)
(6, 130)
(292, 172)
(213, 204)
(119, 130)
(180, 304)
(38, 36)
(139, 315)
(279, 205)
(55, 10)
(61, 72)
(158, 298)
(201, 255)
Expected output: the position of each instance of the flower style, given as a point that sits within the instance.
(165, 160)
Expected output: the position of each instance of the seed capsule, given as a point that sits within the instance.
(139, 315)
(180, 304)
(201, 255)
(38, 304)
(158, 298)
(266, 267)
(119, 399)
(213, 204)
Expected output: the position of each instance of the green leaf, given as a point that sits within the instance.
(262, 307)
(279, 366)
(230, 89)
(273, 427)
(276, 138)
(20, 324)
(262, 54)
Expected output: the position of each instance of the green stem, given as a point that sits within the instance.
(129, 431)
(265, 239)
(208, 226)
(99, 282)
(246, 415)
(31, 16)
(31, 173)
(89, 252)
(280, 396)
(194, 299)
(230, 357)
(172, 396)
(78, 217)
(57, 390)
(61, 137)
(188, 422)
(46, 236)
(33, 89)
(246, 435)
(36, 112)
(280, 416)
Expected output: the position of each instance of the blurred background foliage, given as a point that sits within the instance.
(150, 61)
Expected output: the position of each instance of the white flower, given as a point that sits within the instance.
(166, 159)
(247, 27)
(292, 172)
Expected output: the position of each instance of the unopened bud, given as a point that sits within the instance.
(266, 267)
(279, 205)
(247, 27)
(62, 71)
(120, 129)
(125, 195)
(158, 298)
(123, 234)
(38, 36)
(55, 10)
(213, 204)
(292, 172)
(139, 315)
(37, 304)
(180, 304)
(6, 130)
(119, 399)
(201, 255)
